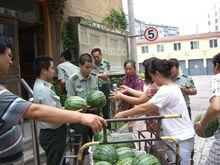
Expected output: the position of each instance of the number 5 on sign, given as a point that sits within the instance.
(151, 34)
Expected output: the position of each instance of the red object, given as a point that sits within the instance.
(151, 33)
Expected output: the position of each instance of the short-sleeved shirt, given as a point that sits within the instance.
(215, 91)
(44, 94)
(188, 83)
(151, 90)
(103, 67)
(12, 109)
(80, 86)
(65, 70)
(134, 82)
(169, 100)
(213, 157)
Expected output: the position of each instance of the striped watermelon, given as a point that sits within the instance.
(125, 161)
(96, 99)
(145, 159)
(105, 153)
(212, 127)
(75, 103)
(99, 136)
(124, 138)
(125, 152)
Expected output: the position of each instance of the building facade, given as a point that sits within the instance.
(164, 30)
(214, 18)
(194, 52)
(35, 26)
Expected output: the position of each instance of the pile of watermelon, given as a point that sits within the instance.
(120, 154)
(107, 155)
(212, 127)
(95, 99)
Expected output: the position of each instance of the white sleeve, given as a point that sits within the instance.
(60, 73)
(161, 98)
(215, 86)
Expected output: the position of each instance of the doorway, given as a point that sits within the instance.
(31, 45)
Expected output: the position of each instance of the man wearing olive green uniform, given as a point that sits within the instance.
(52, 136)
(188, 88)
(101, 67)
(185, 83)
(80, 84)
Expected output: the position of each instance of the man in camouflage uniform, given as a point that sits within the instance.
(52, 136)
(185, 83)
(80, 84)
(101, 68)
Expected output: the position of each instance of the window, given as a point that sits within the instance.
(216, 28)
(209, 23)
(160, 48)
(213, 43)
(144, 49)
(216, 20)
(194, 44)
(177, 46)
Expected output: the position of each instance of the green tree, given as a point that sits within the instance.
(116, 19)
(70, 41)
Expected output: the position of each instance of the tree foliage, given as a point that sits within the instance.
(70, 41)
(116, 19)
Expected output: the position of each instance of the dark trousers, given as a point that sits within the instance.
(84, 132)
(53, 141)
(190, 116)
(105, 88)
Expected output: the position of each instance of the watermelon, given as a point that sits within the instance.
(99, 136)
(105, 153)
(75, 103)
(125, 152)
(125, 161)
(102, 163)
(145, 159)
(212, 127)
(124, 138)
(96, 99)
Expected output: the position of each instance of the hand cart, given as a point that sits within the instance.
(157, 137)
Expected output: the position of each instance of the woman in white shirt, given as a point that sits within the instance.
(169, 100)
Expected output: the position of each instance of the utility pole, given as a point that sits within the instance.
(133, 47)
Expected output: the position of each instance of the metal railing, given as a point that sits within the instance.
(35, 142)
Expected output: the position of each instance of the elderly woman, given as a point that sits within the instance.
(137, 97)
(131, 80)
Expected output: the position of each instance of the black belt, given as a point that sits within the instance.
(12, 158)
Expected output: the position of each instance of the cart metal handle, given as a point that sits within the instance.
(144, 118)
(159, 118)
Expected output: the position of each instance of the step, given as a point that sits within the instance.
(29, 155)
